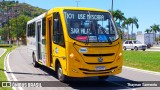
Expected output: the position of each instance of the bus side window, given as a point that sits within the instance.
(33, 32)
(43, 27)
(58, 35)
(28, 27)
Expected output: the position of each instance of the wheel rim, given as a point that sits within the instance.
(59, 73)
(136, 48)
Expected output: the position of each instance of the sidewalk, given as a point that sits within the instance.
(154, 48)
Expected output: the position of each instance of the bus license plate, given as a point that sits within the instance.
(100, 68)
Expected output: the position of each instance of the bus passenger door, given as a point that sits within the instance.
(49, 41)
(39, 55)
(58, 42)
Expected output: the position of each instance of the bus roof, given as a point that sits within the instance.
(76, 8)
(63, 8)
(37, 18)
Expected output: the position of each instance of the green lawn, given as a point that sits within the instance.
(2, 75)
(142, 60)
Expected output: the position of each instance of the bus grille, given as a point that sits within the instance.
(87, 71)
(97, 55)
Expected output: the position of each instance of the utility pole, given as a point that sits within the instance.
(77, 2)
(112, 6)
(16, 25)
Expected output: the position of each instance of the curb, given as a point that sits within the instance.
(144, 71)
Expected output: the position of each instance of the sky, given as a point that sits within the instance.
(146, 11)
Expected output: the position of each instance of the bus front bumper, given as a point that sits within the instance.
(82, 72)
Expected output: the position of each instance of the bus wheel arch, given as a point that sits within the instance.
(57, 62)
(59, 71)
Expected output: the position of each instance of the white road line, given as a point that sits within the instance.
(8, 69)
(5, 70)
(4, 50)
(144, 71)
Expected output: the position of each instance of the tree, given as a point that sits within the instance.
(4, 32)
(20, 30)
(125, 25)
(147, 30)
(155, 28)
(119, 17)
(131, 21)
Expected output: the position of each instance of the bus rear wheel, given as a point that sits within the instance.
(60, 74)
(103, 77)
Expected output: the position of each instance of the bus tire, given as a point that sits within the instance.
(60, 75)
(35, 63)
(103, 77)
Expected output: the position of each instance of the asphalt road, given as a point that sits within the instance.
(20, 68)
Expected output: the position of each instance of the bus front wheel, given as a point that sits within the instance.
(60, 74)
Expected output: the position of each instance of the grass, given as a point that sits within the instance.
(2, 74)
(142, 60)
(5, 45)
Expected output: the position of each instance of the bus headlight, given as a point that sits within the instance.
(71, 55)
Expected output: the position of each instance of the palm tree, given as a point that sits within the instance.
(155, 28)
(147, 30)
(130, 21)
(125, 25)
(133, 21)
(118, 17)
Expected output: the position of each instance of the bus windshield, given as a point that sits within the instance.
(90, 26)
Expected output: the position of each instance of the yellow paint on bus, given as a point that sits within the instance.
(82, 42)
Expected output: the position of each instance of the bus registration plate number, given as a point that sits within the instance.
(100, 68)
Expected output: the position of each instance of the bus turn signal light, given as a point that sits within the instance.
(120, 54)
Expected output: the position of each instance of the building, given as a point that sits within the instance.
(8, 13)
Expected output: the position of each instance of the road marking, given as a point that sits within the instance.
(9, 70)
(4, 50)
(144, 71)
